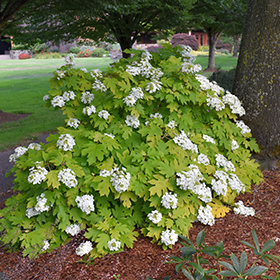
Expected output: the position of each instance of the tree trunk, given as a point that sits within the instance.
(213, 39)
(125, 43)
(235, 45)
(257, 79)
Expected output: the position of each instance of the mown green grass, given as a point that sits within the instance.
(222, 62)
(23, 83)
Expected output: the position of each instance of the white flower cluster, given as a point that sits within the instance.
(205, 215)
(34, 146)
(215, 103)
(84, 248)
(65, 142)
(153, 86)
(134, 95)
(203, 159)
(172, 124)
(221, 161)
(234, 103)
(186, 53)
(37, 175)
(87, 97)
(243, 210)
(46, 245)
(98, 85)
(188, 67)
(235, 183)
(84, 70)
(192, 180)
(58, 101)
(185, 143)
(68, 95)
(205, 84)
(72, 122)
(96, 73)
(234, 145)
(30, 212)
(244, 128)
(208, 139)
(169, 200)
(73, 229)
(85, 203)
(39, 207)
(109, 135)
(106, 173)
(67, 177)
(46, 97)
(120, 179)
(70, 60)
(60, 74)
(114, 245)
(132, 121)
(220, 185)
(144, 68)
(103, 114)
(41, 203)
(89, 110)
(156, 115)
(19, 151)
(223, 180)
(155, 216)
(169, 237)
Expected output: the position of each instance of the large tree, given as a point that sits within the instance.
(257, 80)
(216, 17)
(126, 20)
(12, 12)
(236, 14)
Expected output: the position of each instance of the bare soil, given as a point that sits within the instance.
(146, 259)
(9, 117)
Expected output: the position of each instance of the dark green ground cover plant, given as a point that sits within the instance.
(148, 144)
(195, 266)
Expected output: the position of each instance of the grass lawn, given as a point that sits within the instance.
(23, 83)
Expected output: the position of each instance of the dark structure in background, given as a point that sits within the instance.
(5, 46)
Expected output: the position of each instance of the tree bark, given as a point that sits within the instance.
(257, 79)
(213, 39)
(235, 45)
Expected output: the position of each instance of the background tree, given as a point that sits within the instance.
(14, 11)
(125, 19)
(257, 80)
(215, 17)
(236, 13)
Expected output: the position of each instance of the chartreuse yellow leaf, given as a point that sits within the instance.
(126, 198)
(52, 179)
(229, 197)
(218, 209)
(154, 232)
(107, 164)
(161, 185)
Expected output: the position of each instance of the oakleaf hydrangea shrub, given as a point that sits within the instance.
(148, 144)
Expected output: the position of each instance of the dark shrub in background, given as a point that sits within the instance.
(185, 39)
(224, 78)
(221, 45)
(154, 48)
